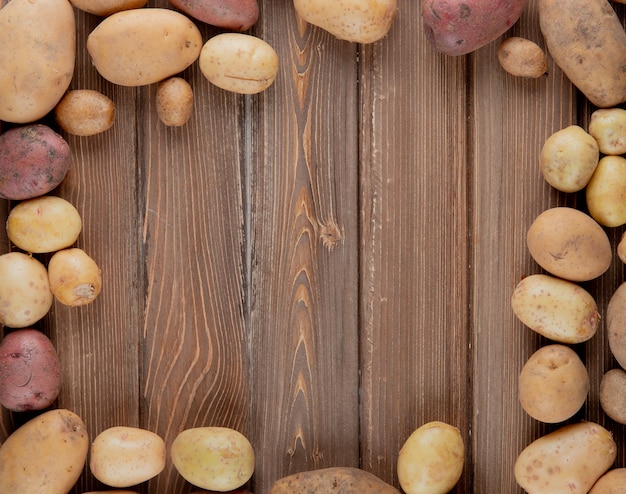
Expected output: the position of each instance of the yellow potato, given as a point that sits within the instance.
(107, 7)
(85, 112)
(329, 480)
(124, 456)
(522, 57)
(75, 278)
(174, 101)
(612, 482)
(45, 455)
(431, 459)
(567, 461)
(239, 63)
(359, 21)
(606, 192)
(608, 128)
(142, 46)
(37, 57)
(558, 309)
(569, 158)
(553, 384)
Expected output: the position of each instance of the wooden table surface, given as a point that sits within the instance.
(324, 266)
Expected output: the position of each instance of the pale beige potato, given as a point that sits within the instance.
(75, 278)
(45, 455)
(37, 57)
(522, 57)
(621, 248)
(613, 394)
(239, 62)
(431, 460)
(174, 101)
(568, 159)
(25, 295)
(327, 480)
(567, 461)
(358, 21)
(616, 324)
(553, 384)
(569, 244)
(123, 456)
(606, 192)
(608, 128)
(138, 47)
(44, 224)
(85, 112)
(612, 482)
(558, 309)
(104, 8)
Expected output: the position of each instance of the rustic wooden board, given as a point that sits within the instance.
(324, 266)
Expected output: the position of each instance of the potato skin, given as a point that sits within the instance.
(34, 159)
(85, 112)
(606, 190)
(457, 28)
(612, 482)
(174, 101)
(104, 8)
(613, 395)
(587, 41)
(236, 15)
(616, 324)
(522, 57)
(345, 480)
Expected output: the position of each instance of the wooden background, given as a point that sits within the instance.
(325, 266)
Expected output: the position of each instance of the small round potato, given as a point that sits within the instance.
(569, 158)
(174, 101)
(608, 127)
(239, 62)
(85, 112)
(613, 394)
(612, 482)
(75, 278)
(553, 384)
(522, 57)
(606, 191)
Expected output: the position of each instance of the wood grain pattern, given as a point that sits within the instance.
(324, 266)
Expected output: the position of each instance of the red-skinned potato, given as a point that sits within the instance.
(458, 28)
(237, 15)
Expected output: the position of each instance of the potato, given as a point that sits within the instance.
(104, 8)
(30, 371)
(174, 101)
(455, 28)
(621, 248)
(46, 454)
(112, 492)
(44, 224)
(34, 159)
(85, 112)
(25, 295)
(239, 63)
(75, 278)
(558, 309)
(569, 158)
(142, 46)
(37, 57)
(569, 244)
(587, 41)
(340, 480)
(358, 21)
(431, 459)
(612, 482)
(213, 458)
(124, 456)
(608, 128)
(522, 57)
(606, 191)
(613, 395)
(553, 384)
(235, 15)
(566, 461)
(616, 324)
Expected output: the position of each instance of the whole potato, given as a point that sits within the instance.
(85, 112)
(553, 384)
(34, 159)
(30, 371)
(569, 158)
(522, 57)
(37, 57)
(44, 224)
(431, 459)
(556, 308)
(613, 394)
(236, 15)
(174, 101)
(123, 456)
(616, 324)
(75, 278)
(569, 244)
(621, 248)
(104, 8)
(608, 128)
(239, 63)
(25, 295)
(340, 480)
(567, 461)
(358, 21)
(213, 458)
(612, 482)
(606, 191)
(45, 455)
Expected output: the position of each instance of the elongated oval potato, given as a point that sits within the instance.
(332, 479)
(46, 454)
(567, 461)
(558, 309)
(522, 57)
(606, 191)
(85, 112)
(616, 324)
(553, 384)
(75, 278)
(359, 21)
(142, 46)
(569, 244)
(612, 482)
(103, 8)
(588, 42)
(37, 57)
